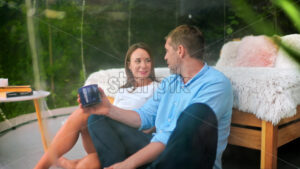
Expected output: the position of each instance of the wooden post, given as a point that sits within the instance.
(41, 126)
(269, 135)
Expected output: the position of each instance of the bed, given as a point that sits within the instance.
(266, 86)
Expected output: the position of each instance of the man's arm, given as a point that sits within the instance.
(129, 117)
(146, 155)
(105, 108)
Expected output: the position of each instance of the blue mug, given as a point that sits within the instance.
(89, 95)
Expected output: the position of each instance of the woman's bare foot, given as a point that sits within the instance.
(90, 161)
(67, 164)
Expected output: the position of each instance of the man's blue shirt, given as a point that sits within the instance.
(208, 86)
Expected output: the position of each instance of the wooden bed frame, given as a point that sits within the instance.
(250, 132)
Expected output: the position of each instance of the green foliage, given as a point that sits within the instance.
(12, 110)
(295, 54)
(109, 27)
(256, 20)
(233, 22)
(291, 9)
(249, 15)
(15, 63)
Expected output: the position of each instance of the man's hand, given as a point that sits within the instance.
(145, 155)
(101, 108)
(120, 165)
(105, 108)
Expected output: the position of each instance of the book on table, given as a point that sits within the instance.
(14, 91)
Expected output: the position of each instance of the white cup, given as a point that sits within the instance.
(3, 82)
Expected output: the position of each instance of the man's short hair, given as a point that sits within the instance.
(190, 37)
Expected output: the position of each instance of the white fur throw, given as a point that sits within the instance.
(270, 94)
(256, 51)
(234, 52)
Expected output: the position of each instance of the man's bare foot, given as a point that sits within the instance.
(67, 164)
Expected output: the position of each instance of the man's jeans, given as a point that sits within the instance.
(192, 144)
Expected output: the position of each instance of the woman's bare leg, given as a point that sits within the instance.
(65, 139)
(87, 140)
(89, 148)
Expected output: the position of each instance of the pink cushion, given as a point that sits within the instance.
(256, 51)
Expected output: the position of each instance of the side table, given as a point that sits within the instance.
(36, 95)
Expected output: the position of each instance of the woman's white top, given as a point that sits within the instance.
(128, 99)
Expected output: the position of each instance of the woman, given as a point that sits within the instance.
(140, 85)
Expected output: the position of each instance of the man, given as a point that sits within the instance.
(191, 111)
